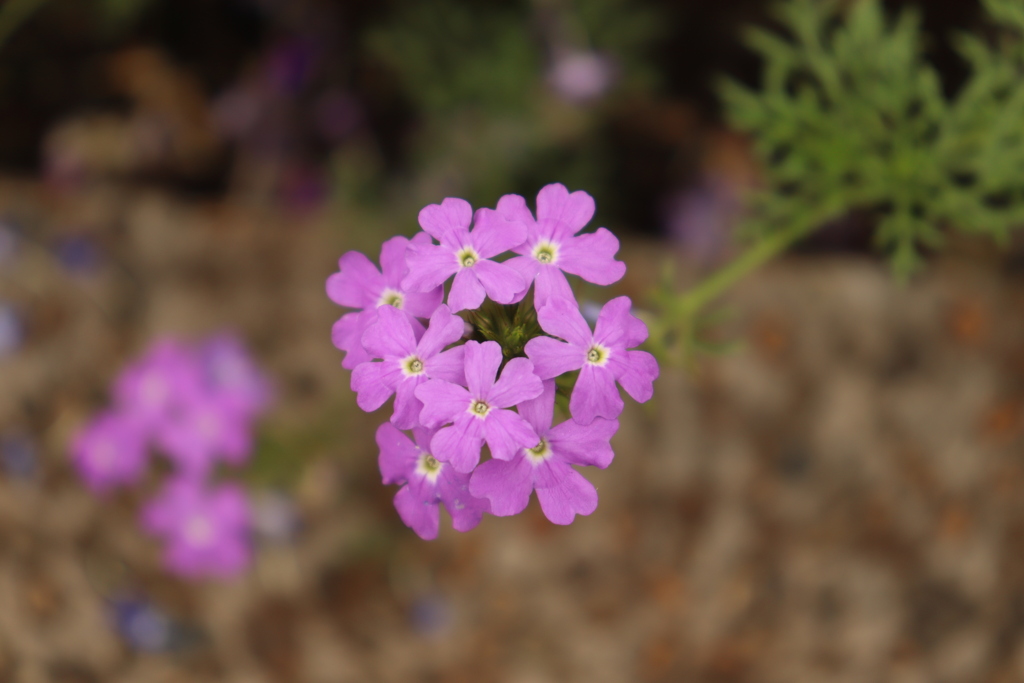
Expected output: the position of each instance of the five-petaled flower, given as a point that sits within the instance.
(602, 357)
(465, 254)
(427, 483)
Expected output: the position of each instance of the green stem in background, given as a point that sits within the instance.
(13, 14)
(680, 312)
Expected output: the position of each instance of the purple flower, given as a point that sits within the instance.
(407, 363)
(202, 431)
(580, 77)
(552, 247)
(546, 467)
(110, 451)
(359, 284)
(478, 414)
(601, 357)
(428, 483)
(465, 254)
(205, 530)
(152, 388)
(231, 376)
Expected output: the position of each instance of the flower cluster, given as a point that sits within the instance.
(483, 366)
(195, 405)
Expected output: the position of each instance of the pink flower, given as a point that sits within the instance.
(206, 530)
(203, 431)
(428, 483)
(480, 414)
(358, 284)
(110, 451)
(154, 387)
(546, 467)
(407, 361)
(602, 357)
(552, 247)
(231, 376)
(465, 254)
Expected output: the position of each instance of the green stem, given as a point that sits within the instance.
(718, 282)
(13, 14)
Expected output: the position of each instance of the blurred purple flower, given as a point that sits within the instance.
(142, 625)
(232, 377)
(154, 387)
(702, 217)
(290, 65)
(78, 254)
(206, 530)
(201, 432)
(110, 451)
(336, 114)
(275, 516)
(18, 456)
(12, 331)
(581, 76)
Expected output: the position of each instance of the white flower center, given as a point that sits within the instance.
(428, 467)
(546, 252)
(479, 408)
(198, 530)
(391, 298)
(597, 354)
(467, 257)
(540, 452)
(412, 366)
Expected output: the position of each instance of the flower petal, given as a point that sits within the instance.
(397, 454)
(514, 208)
(460, 444)
(371, 391)
(465, 509)
(551, 284)
(540, 411)
(466, 292)
(507, 432)
(501, 282)
(358, 283)
(392, 336)
(584, 444)
(494, 234)
(446, 220)
(552, 358)
(574, 496)
(507, 485)
(448, 365)
(347, 334)
(561, 213)
(407, 406)
(595, 395)
(442, 401)
(617, 327)
(430, 265)
(517, 383)
(482, 363)
(423, 518)
(563, 319)
(392, 261)
(444, 328)
(636, 373)
(592, 257)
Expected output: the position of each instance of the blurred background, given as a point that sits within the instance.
(837, 498)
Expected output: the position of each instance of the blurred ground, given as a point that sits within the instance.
(839, 499)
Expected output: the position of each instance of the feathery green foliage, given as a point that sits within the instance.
(851, 116)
